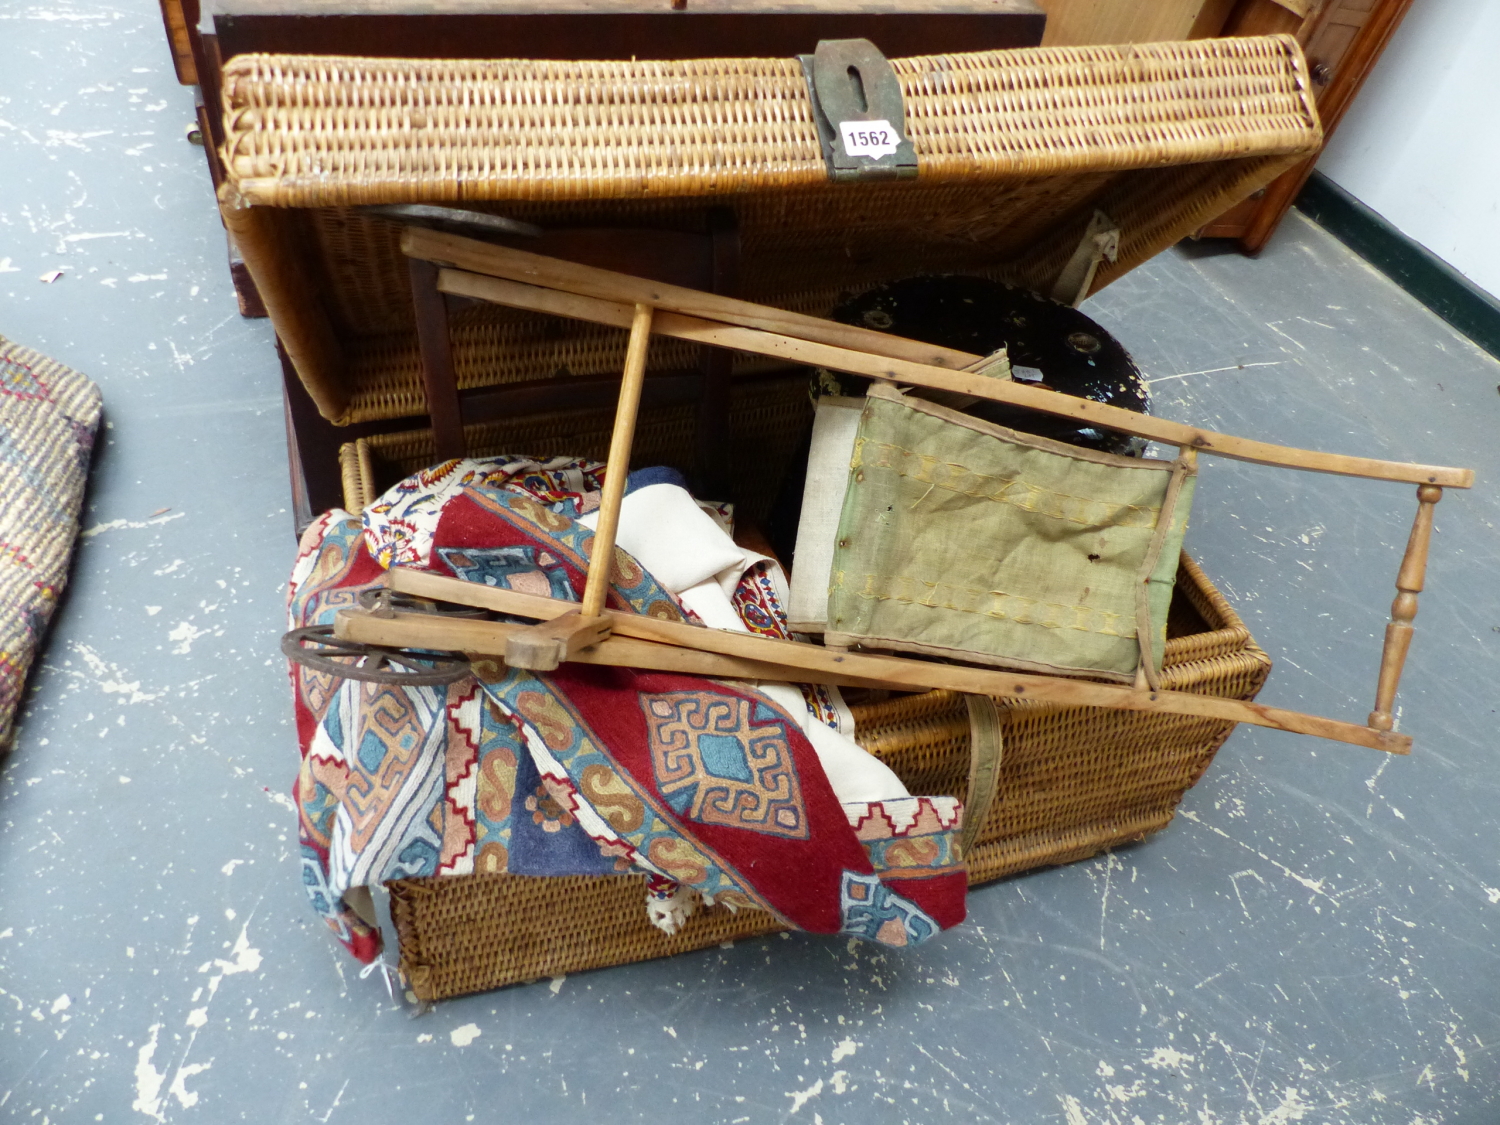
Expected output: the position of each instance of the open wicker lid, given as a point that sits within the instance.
(1163, 135)
(311, 131)
(1015, 152)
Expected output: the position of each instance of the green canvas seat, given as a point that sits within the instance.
(966, 540)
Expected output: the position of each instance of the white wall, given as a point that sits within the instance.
(1421, 144)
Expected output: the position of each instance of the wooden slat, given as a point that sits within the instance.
(617, 467)
(605, 310)
(547, 645)
(793, 661)
(554, 273)
(421, 630)
(439, 382)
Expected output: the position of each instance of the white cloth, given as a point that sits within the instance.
(834, 428)
(854, 773)
(713, 607)
(663, 529)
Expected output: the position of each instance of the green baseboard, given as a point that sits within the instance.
(1419, 271)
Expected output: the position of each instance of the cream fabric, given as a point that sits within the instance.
(834, 427)
(663, 529)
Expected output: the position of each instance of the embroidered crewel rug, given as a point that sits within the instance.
(704, 785)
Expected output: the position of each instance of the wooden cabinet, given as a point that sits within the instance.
(1343, 39)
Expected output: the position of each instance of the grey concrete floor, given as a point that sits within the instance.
(1312, 940)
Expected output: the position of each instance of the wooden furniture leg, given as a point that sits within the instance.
(1404, 609)
(438, 379)
(617, 468)
(543, 647)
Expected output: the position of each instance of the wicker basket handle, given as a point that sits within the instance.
(985, 750)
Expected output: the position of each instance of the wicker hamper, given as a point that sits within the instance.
(1016, 153)
(1073, 781)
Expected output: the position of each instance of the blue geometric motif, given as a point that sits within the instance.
(371, 752)
(503, 566)
(874, 912)
(418, 857)
(722, 759)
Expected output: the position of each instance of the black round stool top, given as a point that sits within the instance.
(1049, 344)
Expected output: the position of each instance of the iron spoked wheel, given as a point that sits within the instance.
(317, 648)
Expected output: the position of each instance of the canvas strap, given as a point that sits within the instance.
(1186, 464)
(984, 766)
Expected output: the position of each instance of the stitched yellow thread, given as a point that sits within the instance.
(952, 477)
(998, 604)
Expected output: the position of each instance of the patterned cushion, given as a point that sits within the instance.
(48, 415)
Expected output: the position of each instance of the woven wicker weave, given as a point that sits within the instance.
(1015, 150)
(313, 131)
(769, 419)
(1073, 781)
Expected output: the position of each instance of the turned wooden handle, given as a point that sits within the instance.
(1404, 609)
(601, 561)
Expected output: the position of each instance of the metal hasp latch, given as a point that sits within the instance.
(1100, 243)
(857, 105)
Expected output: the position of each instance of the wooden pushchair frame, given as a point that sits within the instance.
(589, 633)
